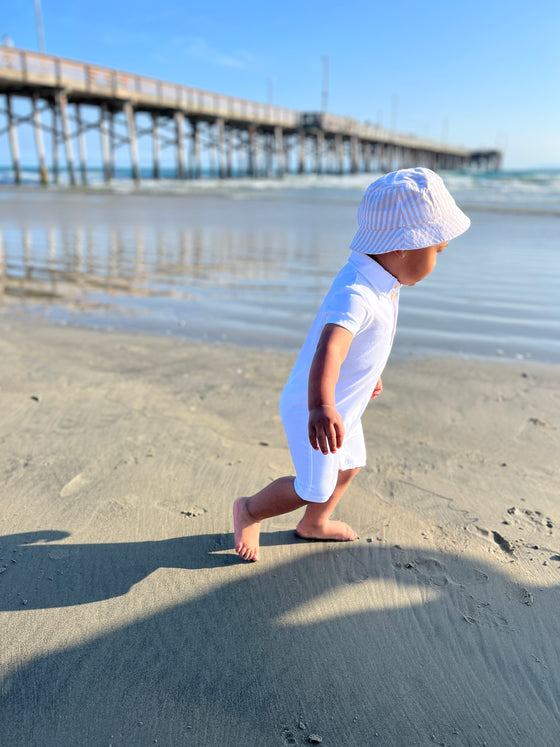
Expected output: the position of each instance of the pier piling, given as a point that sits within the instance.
(39, 140)
(81, 144)
(14, 143)
(105, 146)
(179, 143)
(155, 146)
(129, 112)
(62, 102)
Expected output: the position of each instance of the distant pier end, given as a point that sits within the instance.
(210, 134)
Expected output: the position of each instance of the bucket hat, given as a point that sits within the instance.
(407, 209)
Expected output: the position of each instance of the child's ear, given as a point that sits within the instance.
(399, 252)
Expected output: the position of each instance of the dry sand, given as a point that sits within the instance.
(127, 619)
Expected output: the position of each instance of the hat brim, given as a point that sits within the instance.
(408, 238)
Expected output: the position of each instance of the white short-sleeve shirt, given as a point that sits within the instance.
(363, 299)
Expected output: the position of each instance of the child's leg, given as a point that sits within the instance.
(277, 498)
(280, 498)
(316, 524)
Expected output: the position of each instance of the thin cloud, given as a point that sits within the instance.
(198, 48)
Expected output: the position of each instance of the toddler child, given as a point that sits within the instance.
(406, 218)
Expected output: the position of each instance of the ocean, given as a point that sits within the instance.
(248, 261)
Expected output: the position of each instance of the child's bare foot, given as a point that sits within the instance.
(326, 530)
(247, 531)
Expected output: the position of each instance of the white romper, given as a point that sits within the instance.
(364, 300)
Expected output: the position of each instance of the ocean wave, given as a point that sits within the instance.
(532, 191)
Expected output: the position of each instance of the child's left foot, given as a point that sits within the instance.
(247, 531)
(328, 530)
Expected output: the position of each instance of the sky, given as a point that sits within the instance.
(479, 73)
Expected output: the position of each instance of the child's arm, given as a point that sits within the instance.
(326, 429)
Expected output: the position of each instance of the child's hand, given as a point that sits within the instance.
(378, 389)
(326, 429)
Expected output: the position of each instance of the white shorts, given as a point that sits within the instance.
(317, 473)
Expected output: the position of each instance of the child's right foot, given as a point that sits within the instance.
(247, 531)
(336, 531)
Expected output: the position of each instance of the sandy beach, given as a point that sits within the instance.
(127, 618)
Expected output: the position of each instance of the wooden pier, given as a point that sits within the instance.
(211, 134)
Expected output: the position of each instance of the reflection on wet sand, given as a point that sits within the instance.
(210, 283)
(66, 265)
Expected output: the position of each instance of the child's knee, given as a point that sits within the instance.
(313, 492)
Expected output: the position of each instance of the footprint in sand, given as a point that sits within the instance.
(436, 573)
(477, 612)
(106, 420)
(521, 523)
(503, 543)
(534, 428)
(526, 517)
(288, 737)
(520, 594)
(70, 423)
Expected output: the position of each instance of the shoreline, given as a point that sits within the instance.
(128, 618)
(122, 321)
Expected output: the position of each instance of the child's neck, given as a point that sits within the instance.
(384, 261)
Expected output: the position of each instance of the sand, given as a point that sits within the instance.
(127, 618)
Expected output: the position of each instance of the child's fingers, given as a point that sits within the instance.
(334, 438)
(313, 433)
(339, 431)
(320, 440)
(325, 440)
(313, 440)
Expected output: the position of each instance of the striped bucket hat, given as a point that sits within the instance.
(407, 209)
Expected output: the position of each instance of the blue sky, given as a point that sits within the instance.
(480, 73)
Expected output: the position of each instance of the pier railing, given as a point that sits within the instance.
(18, 66)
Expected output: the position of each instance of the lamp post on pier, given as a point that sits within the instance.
(40, 31)
(325, 91)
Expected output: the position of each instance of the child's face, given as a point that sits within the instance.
(417, 264)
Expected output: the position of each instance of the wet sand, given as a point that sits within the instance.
(127, 618)
(163, 264)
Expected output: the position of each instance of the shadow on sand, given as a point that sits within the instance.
(438, 651)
